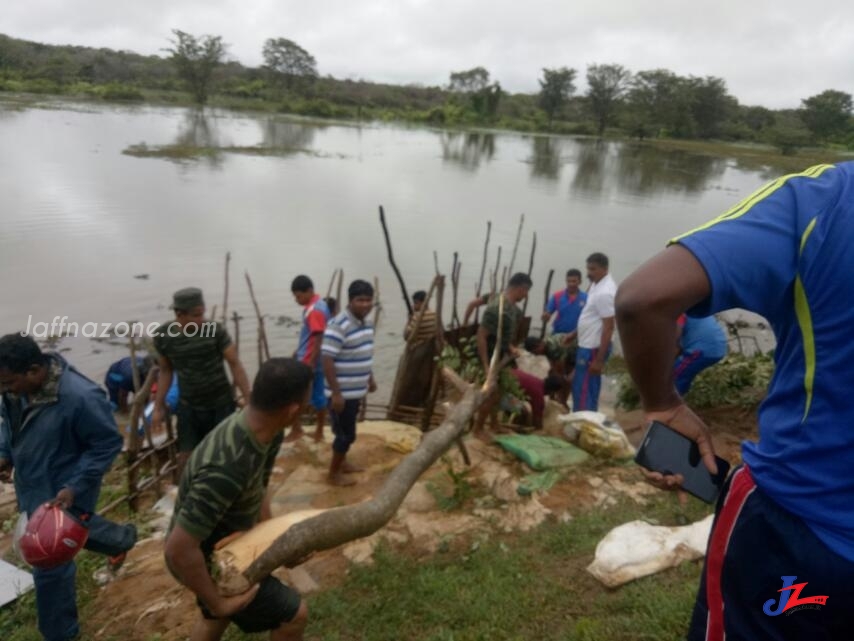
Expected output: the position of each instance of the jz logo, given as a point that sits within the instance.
(794, 599)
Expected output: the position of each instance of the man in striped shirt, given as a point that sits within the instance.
(348, 359)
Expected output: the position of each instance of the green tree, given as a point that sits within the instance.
(556, 86)
(655, 103)
(607, 84)
(469, 81)
(788, 133)
(483, 97)
(710, 105)
(827, 114)
(289, 63)
(196, 59)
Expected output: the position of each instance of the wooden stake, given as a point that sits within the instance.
(331, 283)
(479, 289)
(393, 264)
(436, 261)
(263, 347)
(496, 271)
(225, 295)
(546, 302)
(516, 244)
(530, 271)
(455, 285)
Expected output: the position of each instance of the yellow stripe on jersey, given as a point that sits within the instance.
(758, 196)
(802, 310)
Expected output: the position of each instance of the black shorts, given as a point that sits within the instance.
(275, 604)
(194, 423)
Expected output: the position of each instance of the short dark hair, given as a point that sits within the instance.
(598, 258)
(19, 353)
(552, 383)
(360, 288)
(575, 272)
(301, 283)
(520, 279)
(280, 382)
(420, 296)
(532, 344)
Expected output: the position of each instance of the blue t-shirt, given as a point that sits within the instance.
(568, 311)
(785, 252)
(703, 335)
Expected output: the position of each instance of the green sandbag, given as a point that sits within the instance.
(542, 452)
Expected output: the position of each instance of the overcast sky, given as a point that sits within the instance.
(772, 53)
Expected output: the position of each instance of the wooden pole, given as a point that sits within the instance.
(339, 290)
(263, 347)
(393, 264)
(436, 261)
(377, 304)
(530, 271)
(496, 271)
(546, 302)
(225, 295)
(455, 285)
(331, 283)
(479, 290)
(139, 400)
(133, 365)
(516, 244)
(235, 317)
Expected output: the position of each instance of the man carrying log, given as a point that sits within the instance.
(348, 360)
(224, 491)
(197, 351)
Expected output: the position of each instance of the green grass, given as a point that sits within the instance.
(510, 587)
(514, 587)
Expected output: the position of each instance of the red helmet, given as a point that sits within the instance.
(53, 536)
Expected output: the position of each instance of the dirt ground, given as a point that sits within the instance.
(144, 600)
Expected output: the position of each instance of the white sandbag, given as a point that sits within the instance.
(638, 549)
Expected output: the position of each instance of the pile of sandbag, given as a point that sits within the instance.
(595, 433)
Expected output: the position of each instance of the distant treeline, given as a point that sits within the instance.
(645, 104)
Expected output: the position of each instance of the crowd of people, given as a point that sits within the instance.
(785, 513)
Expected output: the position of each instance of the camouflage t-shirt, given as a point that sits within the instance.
(224, 482)
(198, 361)
(512, 315)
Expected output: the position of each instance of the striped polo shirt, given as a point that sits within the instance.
(350, 342)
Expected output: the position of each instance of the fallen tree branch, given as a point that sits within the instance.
(337, 526)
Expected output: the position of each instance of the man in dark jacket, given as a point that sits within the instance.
(58, 436)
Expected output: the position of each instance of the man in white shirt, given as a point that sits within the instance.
(595, 329)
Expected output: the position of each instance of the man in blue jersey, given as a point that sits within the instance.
(315, 314)
(702, 343)
(783, 535)
(348, 360)
(568, 304)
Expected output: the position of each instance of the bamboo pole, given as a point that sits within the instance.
(546, 302)
(393, 264)
(225, 295)
(530, 271)
(516, 244)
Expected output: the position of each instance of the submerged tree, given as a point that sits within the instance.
(483, 97)
(289, 63)
(195, 59)
(607, 84)
(556, 87)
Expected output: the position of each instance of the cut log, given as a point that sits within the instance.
(240, 552)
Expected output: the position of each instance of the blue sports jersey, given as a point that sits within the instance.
(314, 317)
(785, 253)
(568, 311)
(704, 335)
